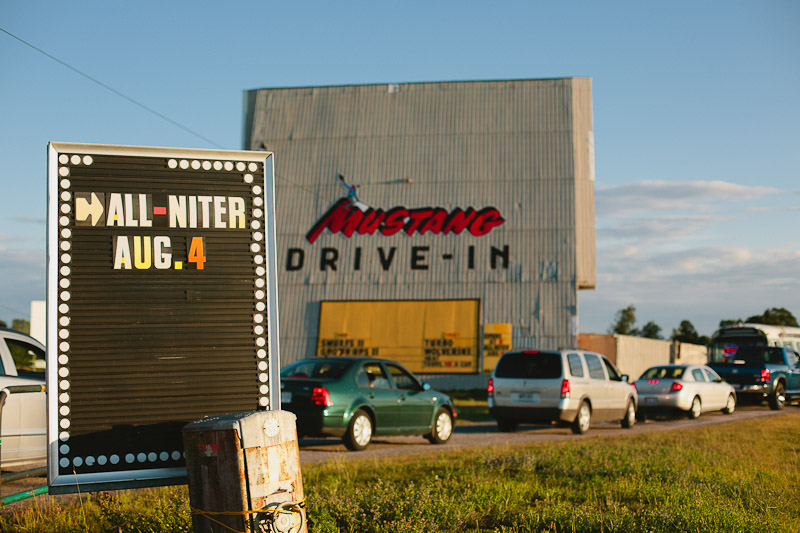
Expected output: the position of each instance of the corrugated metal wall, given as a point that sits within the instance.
(689, 354)
(584, 183)
(631, 355)
(604, 344)
(637, 354)
(523, 147)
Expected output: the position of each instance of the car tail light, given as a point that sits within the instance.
(321, 396)
(765, 375)
(652, 381)
(490, 387)
(565, 388)
(676, 387)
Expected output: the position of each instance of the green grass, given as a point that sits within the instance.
(742, 476)
(733, 477)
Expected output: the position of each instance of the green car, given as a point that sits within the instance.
(357, 397)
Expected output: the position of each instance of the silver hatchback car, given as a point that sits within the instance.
(691, 389)
(567, 386)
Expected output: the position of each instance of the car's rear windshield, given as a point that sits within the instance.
(324, 369)
(664, 372)
(755, 356)
(529, 365)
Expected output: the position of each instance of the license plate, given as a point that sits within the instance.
(526, 397)
(286, 397)
(651, 401)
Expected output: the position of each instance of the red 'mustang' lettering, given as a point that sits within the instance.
(345, 218)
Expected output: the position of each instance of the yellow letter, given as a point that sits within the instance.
(236, 212)
(141, 263)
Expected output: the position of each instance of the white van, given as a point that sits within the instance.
(567, 386)
(23, 416)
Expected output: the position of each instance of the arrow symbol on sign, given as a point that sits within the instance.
(89, 209)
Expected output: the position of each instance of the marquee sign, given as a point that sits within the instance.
(162, 305)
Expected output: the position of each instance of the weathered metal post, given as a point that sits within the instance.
(244, 473)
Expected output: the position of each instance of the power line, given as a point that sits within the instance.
(12, 310)
(113, 90)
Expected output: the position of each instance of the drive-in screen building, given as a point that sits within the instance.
(436, 224)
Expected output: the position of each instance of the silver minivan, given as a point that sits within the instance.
(572, 387)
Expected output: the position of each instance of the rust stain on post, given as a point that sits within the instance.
(240, 464)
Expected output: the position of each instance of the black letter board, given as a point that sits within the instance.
(161, 305)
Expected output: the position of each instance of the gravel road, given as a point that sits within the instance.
(472, 434)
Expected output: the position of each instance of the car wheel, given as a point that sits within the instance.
(442, 427)
(583, 419)
(506, 425)
(359, 432)
(730, 407)
(777, 398)
(696, 408)
(630, 416)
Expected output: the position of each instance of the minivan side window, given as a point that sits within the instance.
(575, 366)
(529, 365)
(612, 372)
(595, 366)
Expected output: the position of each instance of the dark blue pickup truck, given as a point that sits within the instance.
(765, 372)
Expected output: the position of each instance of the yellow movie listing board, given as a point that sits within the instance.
(426, 336)
(496, 341)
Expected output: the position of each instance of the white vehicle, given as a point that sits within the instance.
(567, 386)
(726, 341)
(23, 422)
(691, 389)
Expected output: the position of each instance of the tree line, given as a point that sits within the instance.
(625, 324)
(18, 324)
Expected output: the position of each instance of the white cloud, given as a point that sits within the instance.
(30, 220)
(703, 285)
(769, 209)
(648, 196)
(650, 228)
(712, 264)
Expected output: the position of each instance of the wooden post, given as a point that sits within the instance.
(244, 469)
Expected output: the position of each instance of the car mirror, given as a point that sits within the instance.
(426, 386)
(626, 378)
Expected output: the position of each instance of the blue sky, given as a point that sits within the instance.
(696, 118)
